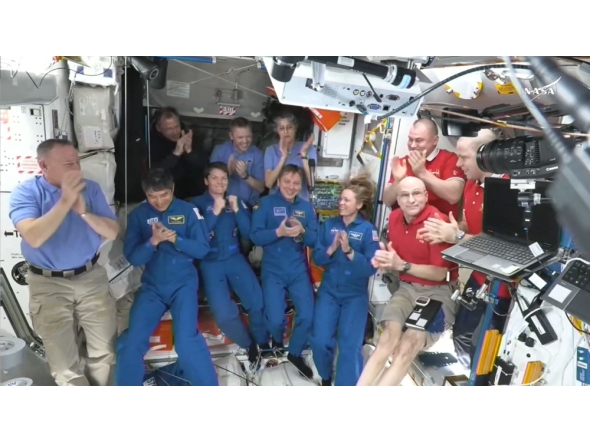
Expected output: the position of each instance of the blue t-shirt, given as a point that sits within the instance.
(255, 161)
(75, 242)
(272, 157)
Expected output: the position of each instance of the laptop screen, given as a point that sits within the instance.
(502, 216)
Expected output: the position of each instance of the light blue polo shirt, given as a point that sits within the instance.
(272, 157)
(74, 243)
(255, 160)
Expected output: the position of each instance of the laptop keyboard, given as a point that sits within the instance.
(505, 250)
(578, 275)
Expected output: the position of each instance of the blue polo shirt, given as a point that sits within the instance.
(238, 186)
(74, 243)
(272, 157)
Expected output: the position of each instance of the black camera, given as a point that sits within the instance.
(522, 157)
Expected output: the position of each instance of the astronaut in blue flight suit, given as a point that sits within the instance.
(165, 234)
(283, 225)
(226, 219)
(345, 248)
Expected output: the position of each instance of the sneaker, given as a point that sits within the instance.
(301, 365)
(253, 353)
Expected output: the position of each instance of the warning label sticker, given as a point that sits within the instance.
(4, 125)
(27, 165)
(227, 110)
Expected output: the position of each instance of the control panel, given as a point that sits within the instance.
(366, 98)
(22, 128)
(326, 196)
(345, 91)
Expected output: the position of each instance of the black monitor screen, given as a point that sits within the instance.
(503, 216)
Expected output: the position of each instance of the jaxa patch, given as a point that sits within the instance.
(176, 220)
(235, 232)
(256, 206)
(299, 213)
(355, 235)
(153, 220)
(375, 236)
(198, 213)
(280, 211)
(334, 230)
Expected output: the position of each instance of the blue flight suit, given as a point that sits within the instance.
(169, 282)
(343, 299)
(285, 267)
(223, 264)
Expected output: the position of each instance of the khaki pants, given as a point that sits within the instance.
(124, 305)
(403, 301)
(59, 306)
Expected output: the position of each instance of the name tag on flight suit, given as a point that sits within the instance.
(355, 235)
(176, 220)
(280, 211)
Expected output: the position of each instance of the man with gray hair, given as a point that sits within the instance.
(62, 219)
(435, 230)
(454, 231)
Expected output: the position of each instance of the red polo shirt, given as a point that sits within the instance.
(473, 216)
(443, 164)
(403, 239)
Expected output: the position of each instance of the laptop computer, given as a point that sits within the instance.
(570, 292)
(502, 248)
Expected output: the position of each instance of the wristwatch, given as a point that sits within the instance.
(350, 250)
(460, 235)
(246, 176)
(407, 267)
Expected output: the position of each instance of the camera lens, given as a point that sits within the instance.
(403, 78)
(489, 157)
(503, 156)
(284, 67)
